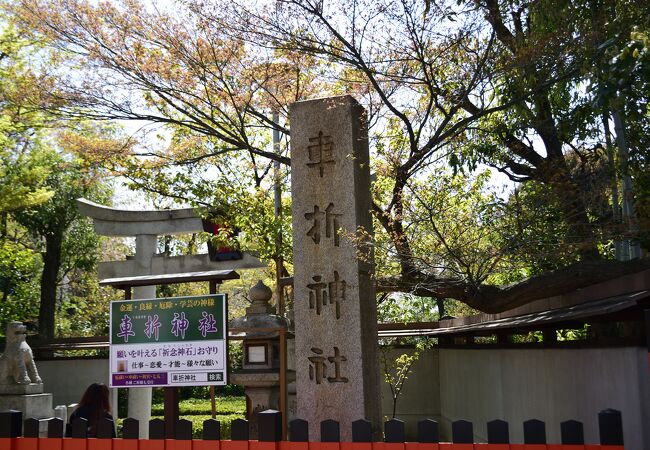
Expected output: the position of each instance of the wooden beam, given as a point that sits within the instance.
(171, 411)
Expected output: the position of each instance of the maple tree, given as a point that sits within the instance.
(458, 83)
(46, 251)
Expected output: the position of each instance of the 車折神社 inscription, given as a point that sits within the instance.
(176, 341)
(337, 373)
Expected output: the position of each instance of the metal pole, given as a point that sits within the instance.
(277, 200)
(616, 208)
(631, 248)
(213, 400)
(283, 381)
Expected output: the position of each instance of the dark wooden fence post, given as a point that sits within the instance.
(171, 410)
(105, 428)
(131, 428)
(239, 430)
(498, 432)
(11, 423)
(361, 431)
(55, 428)
(31, 427)
(330, 431)
(269, 424)
(157, 429)
(394, 431)
(79, 428)
(534, 432)
(610, 426)
(211, 430)
(462, 432)
(299, 430)
(183, 430)
(428, 431)
(572, 432)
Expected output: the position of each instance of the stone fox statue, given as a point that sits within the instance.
(17, 362)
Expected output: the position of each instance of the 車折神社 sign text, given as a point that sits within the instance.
(177, 341)
(337, 372)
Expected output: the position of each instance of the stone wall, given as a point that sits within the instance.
(67, 379)
(420, 397)
(481, 385)
(552, 385)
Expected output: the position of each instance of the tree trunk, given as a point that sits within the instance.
(440, 302)
(556, 173)
(579, 230)
(3, 225)
(395, 230)
(554, 169)
(494, 299)
(49, 281)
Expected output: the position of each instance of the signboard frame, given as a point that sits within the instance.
(201, 359)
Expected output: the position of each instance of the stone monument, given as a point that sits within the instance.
(20, 386)
(337, 373)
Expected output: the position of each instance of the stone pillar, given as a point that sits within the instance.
(337, 373)
(140, 398)
(145, 249)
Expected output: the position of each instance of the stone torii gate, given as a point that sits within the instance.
(146, 226)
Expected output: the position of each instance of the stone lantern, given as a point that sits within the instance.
(260, 372)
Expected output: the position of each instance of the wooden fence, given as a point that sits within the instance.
(16, 435)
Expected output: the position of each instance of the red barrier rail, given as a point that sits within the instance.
(23, 443)
(18, 435)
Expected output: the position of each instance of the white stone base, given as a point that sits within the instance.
(37, 406)
(21, 389)
(140, 408)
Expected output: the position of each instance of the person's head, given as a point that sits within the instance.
(96, 398)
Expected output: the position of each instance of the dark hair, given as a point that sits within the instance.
(95, 399)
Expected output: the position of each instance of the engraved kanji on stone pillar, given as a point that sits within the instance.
(324, 293)
(337, 372)
(317, 369)
(337, 361)
(317, 294)
(320, 152)
(328, 218)
(336, 290)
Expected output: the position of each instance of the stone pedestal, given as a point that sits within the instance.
(21, 389)
(262, 390)
(38, 406)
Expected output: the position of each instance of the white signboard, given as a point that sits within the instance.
(160, 342)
